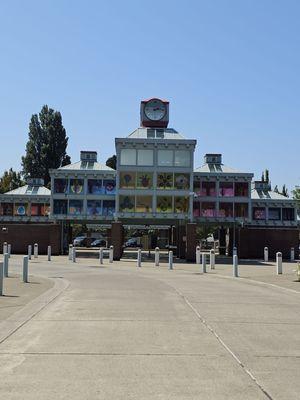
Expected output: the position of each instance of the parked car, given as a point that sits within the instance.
(132, 242)
(99, 243)
(79, 240)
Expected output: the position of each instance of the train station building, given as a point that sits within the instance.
(156, 187)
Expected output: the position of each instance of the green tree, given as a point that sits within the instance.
(296, 196)
(46, 146)
(112, 162)
(10, 180)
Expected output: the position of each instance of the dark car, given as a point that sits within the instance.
(99, 243)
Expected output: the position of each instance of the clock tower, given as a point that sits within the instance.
(154, 113)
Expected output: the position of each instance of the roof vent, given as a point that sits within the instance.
(88, 156)
(260, 185)
(213, 158)
(35, 181)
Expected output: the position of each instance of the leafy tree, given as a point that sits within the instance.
(10, 180)
(296, 196)
(47, 144)
(112, 162)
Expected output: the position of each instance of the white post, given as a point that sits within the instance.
(279, 263)
(139, 258)
(198, 255)
(235, 266)
(234, 253)
(74, 255)
(49, 253)
(1, 278)
(111, 254)
(6, 257)
(29, 251)
(25, 269)
(156, 256)
(204, 263)
(4, 248)
(9, 250)
(266, 254)
(212, 259)
(70, 251)
(292, 254)
(101, 255)
(170, 259)
(36, 250)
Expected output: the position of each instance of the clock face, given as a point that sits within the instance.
(155, 110)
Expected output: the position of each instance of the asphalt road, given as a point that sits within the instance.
(118, 332)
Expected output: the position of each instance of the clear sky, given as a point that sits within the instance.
(230, 69)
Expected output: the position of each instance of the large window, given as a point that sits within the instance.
(275, 214)
(196, 208)
(95, 186)
(145, 157)
(76, 186)
(226, 210)
(128, 157)
(208, 189)
(143, 204)
(182, 158)
(60, 185)
(226, 189)
(144, 180)
(208, 209)
(259, 213)
(241, 189)
(127, 203)
(164, 204)
(241, 210)
(60, 207)
(6, 209)
(165, 180)
(288, 214)
(165, 158)
(37, 209)
(181, 204)
(127, 180)
(75, 207)
(182, 181)
(109, 208)
(94, 207)
(109, 186)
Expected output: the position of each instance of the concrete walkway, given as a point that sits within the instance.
(119, 332)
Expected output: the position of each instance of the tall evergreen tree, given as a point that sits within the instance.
(10, 180)
(46, 146)
(296, 196)
(276, 189)
(284, 191)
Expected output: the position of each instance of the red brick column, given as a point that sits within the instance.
(191, 242)
(117, 238)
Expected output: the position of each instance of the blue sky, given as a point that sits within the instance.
(230, 70)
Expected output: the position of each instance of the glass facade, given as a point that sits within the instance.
(144, 180)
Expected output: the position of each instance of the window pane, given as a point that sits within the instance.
(241, 189)
(208, 189)
(6, 209)
(94, 207)
(165, 180)
(109, 207)
(145, 157)
(37, 209)
(127, 180)
(20, 209)
(259, 213)
(60, 207)
(165, 158)
(109, 186)
(241, 210)
(226, 210)
(208, 209)
(164, 204)
(182, 158)
(226, 189)
(95, 186)
(75, 207)
(76, 186)
(181, 204)
(274, 214)
(127, 203)
(60, 185)
(143, 204)
(144, 180)
(182, 181)
(128, 157)
(196, 209)
(288, 214)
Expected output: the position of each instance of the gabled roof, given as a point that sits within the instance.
(268, 195)
(29, 190)
(86, 165)
(218, 169)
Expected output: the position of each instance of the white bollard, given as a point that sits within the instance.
(235, 266)
(9, 250)
(1, 278)
(139, 258)
(292, 254)
(25, 269)
(4, 248)
(36, 250)
(212, 257)
(5, 265)
(156, 256)
(29, 251)
(204, 263)
(49, 253)
(111, 254)
(279, 263)
(101, 255)
(70, 251)
(198, 255)
(170, 259)
(234, 252)
(266, 254)
(74, 255)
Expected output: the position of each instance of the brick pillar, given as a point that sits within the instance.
(191, 242)
(117, 237)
